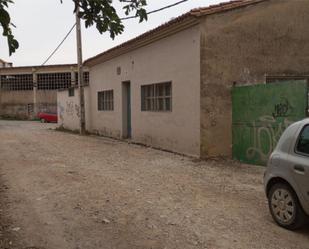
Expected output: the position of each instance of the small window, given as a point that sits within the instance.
(71, 92)
(303, 141)
(157, 97)
(118, 70)
(106, 100)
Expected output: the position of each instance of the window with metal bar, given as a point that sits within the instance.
(157, 97)
(54, 81)
(86, 78)
(106, 100)
(18, 82)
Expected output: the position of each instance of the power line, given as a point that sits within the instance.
(56, 49)
(157, 10)
(124, 18)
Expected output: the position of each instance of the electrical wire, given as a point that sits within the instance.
(56, 49)
(124, 18)
(157, 10)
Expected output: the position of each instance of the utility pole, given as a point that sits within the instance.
(80, 74)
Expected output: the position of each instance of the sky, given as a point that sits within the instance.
(42, 24)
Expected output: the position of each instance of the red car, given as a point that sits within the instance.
(46, 117)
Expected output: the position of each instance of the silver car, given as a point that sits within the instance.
(287, 177)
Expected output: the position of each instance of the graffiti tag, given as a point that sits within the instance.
(77, 110)
(266, 134)
(69, 108)
(283, 109)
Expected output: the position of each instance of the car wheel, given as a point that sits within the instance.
(43, 120)
(285, 207)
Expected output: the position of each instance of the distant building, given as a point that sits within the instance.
(4, 64)
(25, 91)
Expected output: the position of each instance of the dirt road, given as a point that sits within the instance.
(63, 191)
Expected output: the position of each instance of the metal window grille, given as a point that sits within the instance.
(86, 78)
(54, 81)
(157, 97)
(19, 82)
(106, 100)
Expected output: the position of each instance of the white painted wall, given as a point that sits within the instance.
(69, 111)
(175, 58)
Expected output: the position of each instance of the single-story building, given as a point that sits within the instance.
(171, 87)
(5, 64)
(27, 90)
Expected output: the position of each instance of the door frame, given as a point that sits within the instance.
(126, 109)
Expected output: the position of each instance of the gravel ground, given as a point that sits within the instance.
(64, 191)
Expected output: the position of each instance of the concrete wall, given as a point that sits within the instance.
(242, 46)
(175, 58)
(17, 104)
(46, 100)
(69, 111)
(20, 104)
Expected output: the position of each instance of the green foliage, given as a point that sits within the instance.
(5, 22)
(100, 13)
(103, 15)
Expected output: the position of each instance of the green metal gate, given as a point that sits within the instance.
(261, 113)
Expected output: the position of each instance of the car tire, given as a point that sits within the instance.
(43, 120)
(285, 207)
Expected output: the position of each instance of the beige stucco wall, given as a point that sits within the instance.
(242, 46)
(46, 96)
(175, 58)
(16, 97)
(68, 109)
(16, 103)
(46, 101)
(20, 104)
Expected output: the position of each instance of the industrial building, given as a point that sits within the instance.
(171, 87)
(25, 91)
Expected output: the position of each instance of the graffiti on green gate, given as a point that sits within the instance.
(260, 115)
(266, 133)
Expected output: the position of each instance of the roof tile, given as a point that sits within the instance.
(194, 13)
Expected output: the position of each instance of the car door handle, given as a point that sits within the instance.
(299, 169)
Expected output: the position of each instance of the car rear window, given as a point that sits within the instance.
(303, 141)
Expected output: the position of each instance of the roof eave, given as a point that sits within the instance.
(186, 21)
(178, 24)
(223, 7)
